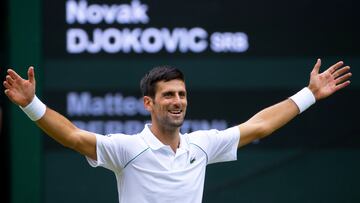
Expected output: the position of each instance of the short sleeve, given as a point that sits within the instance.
(219, 146)
(111, 151)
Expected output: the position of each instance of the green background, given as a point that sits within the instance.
(270, 172)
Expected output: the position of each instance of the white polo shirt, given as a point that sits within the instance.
(149, 171)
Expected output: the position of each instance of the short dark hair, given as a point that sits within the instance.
(160, 73)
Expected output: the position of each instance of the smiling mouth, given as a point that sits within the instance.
(176, 112)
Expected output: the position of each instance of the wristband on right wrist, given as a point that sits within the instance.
(35, 110)
(303, 99)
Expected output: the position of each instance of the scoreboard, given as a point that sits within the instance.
(238, 57)
(96, 50)
(119, 29)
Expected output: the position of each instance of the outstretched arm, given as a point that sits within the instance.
(272, 118)
(22, 93)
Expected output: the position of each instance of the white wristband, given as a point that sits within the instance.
(35, 110)
(303, 99)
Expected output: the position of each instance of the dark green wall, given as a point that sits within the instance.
(4, 138)
(25, 138)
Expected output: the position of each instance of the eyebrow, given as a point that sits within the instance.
(172, 92)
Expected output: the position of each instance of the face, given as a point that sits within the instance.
(168, 108)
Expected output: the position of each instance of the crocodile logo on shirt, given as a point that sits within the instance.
(192, 160)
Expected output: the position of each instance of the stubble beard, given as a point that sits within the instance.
(167, 122)
(170, 123)
(173, 123)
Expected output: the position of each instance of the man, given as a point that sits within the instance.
(160, 164)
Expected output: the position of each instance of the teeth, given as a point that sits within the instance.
(176, 112)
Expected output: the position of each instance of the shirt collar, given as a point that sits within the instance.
(150, 139)
(155, 144)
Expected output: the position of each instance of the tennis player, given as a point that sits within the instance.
(160, 164)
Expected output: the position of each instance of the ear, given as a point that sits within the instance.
(148, 103)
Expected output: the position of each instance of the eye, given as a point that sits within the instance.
(182, 94)
(167, 94)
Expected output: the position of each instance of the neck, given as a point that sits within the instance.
(168, 136)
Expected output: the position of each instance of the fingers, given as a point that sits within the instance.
(334, 67)
(6, 85)
(341, 71)
(342, 85)
(7, 88)
(9, 80)
(343, 78)
(316, 67)
(7, 92)
(31, 74)
(13, 74)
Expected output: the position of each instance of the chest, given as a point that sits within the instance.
(165, 159)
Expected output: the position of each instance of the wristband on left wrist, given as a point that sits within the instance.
(35, 110)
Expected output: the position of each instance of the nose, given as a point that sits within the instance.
(177, 100)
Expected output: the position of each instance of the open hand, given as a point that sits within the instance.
(331, 80)
(19, 90)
